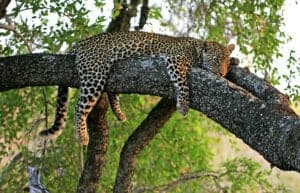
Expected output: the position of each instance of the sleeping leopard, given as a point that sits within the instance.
(96, 55)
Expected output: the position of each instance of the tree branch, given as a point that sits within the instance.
(3, 6)
(260, 88)
(138, 140)
(122, 21)
(258, 121)
(97, 148)
(143, 15)
(182, 179)
(10, 27)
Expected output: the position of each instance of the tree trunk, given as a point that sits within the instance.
(97, 148)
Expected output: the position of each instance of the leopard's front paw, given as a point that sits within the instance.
(83, 136)
(122, 117)
(84, 140)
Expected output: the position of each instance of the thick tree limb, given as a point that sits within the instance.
(263, 90)
(273, 132)
(138, 140)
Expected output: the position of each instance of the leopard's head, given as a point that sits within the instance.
(216, 57)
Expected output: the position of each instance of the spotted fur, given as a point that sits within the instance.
(96, 55)
(60, 114)
(115, 106)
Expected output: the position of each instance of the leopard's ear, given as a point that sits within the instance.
(230, 48)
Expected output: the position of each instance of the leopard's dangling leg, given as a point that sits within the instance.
(60, 114)
(90, 92)
(85, 104)
(115, 106)
(177, 69)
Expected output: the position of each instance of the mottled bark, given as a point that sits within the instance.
(260, 88)
(138, 140)
(37, 70)
(259, 122)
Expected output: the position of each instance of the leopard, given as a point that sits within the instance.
(95, 56)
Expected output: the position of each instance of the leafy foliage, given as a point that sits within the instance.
(51, 25)
(182, 147)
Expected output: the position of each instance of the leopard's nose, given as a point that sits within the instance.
(223, 72)
(223, 69)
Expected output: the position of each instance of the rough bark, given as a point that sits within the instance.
(138, 140)
(37, 70)
(262, 124)
(97, 148)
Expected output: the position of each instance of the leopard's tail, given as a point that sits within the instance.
(60, 114)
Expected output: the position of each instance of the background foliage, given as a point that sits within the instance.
(183, 148)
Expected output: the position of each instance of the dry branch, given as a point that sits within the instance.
(272, 131)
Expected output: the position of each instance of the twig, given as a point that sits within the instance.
(46, 120)
(122, 21)
(182, 179)
(185, 178)
(11, 27)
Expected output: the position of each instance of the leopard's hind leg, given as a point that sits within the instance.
(115, 106)
(92, 83)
